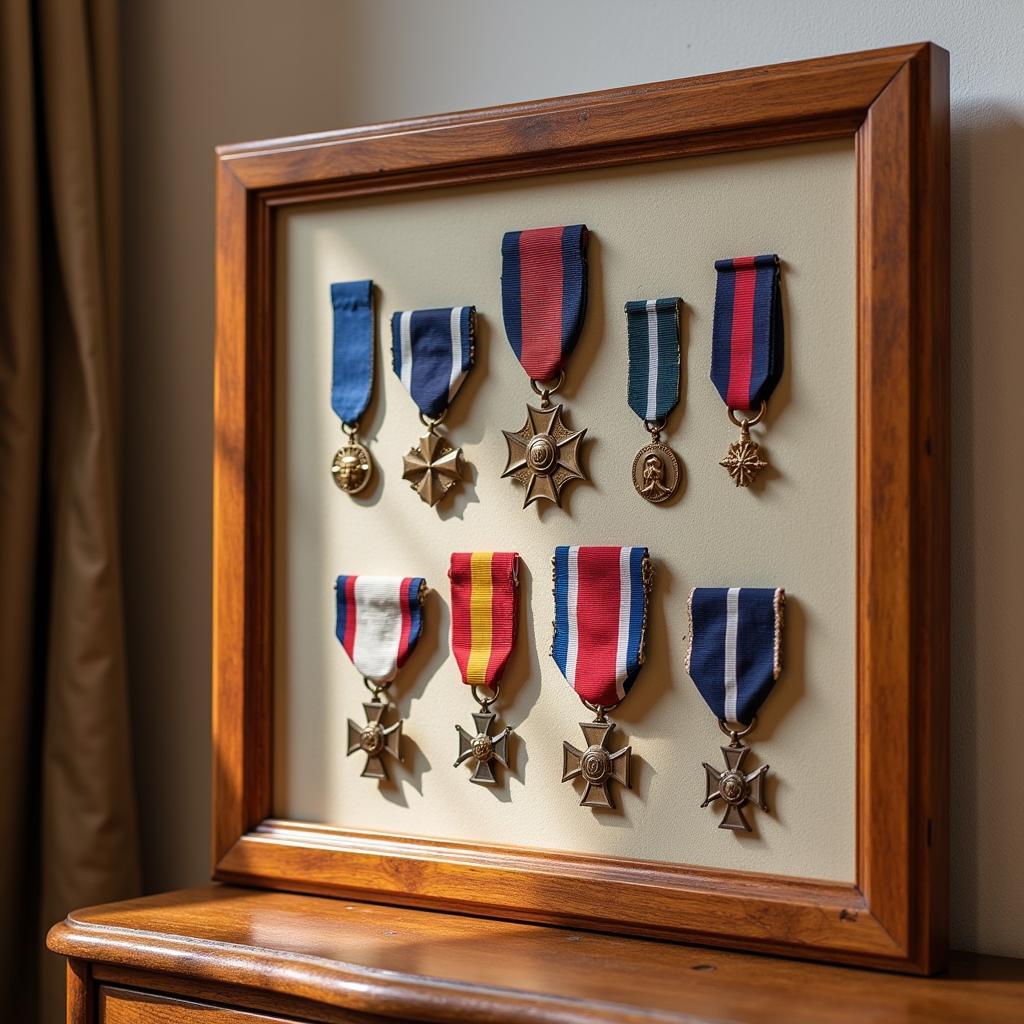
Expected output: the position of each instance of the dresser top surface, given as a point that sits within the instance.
(411, 963)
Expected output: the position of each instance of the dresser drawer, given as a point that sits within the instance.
(123, 1006)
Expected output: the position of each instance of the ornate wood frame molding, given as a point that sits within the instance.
(894, 103)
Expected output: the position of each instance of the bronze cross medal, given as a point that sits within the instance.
(374, 740)
(597, 765)
(484, 747)
(734, 787)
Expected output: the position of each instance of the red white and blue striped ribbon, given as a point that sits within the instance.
(734, 654)
(544, 295)
(380, 619)
(747, 336)
(432, 351)
(600, 618)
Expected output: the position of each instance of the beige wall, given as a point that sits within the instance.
(200, 72)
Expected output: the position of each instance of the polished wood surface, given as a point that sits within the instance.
(122, 1006)
(336, 960)
(894, 104)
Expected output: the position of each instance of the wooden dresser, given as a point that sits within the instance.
(224, 955)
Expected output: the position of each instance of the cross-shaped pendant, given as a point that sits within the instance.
(735, 787)
(597, 766)
(375, 740)
(484, 747)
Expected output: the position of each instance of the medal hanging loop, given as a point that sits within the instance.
(543, 305)
(734, 658)
(432, 352)
(352, 379)
(652, 391)
(379, 623)
(485, 618)
(747, 351)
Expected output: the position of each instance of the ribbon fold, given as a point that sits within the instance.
(652, 329)
(485, 613)
(747, 339)
(734, 652)
(432, 351)
(352, 365)
(380, 620)
(600, 619)
(544, 295)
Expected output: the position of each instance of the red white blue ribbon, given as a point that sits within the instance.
(432, 351)
(747, 336)
(600, 619)
(380, 619)
(544, 295)
(734, 653)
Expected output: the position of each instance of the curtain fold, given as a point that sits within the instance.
(66, 803)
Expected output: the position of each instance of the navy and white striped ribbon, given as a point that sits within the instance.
(734, 654)
(652, 327)
(432, 351)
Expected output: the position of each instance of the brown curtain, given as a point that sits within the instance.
(67, 819)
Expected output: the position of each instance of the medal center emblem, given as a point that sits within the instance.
(733, 788)
(351, 468)
(595, 765)
(483, 748)
(542, 454)
(371, 740)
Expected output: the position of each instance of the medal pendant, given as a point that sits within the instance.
(432, 468)
(375, 740)
(597, 766)
(745, 458)
(543, 455)
(352, 468)
(484, 748)
(734, 787)
(656, 472)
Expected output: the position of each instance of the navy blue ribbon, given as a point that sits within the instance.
(747, 337)
(432, 351)
(734, 653)
(352, 378)
(652, 328)
(544, 295)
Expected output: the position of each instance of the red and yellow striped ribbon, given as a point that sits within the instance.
(485, 613)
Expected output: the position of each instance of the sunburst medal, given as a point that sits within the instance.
(747, 349)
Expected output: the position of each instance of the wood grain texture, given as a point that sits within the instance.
(894, 103)
(332, 960)
(120, 1006)
(79, 1005)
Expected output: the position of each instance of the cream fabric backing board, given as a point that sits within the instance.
(656, 231)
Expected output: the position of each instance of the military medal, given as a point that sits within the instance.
(380, 619)
(747, 353)
(734, 657)
(600, 631)
(352, 379)
(485, 616)
(543, 302)
(432, 350)
(652, 389)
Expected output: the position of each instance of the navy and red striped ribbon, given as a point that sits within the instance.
(544, 295)
(747, 337)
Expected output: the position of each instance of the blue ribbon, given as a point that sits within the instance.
(352, 379)
(747, 343)
(734, 654)
(432, 351)
(652, 327)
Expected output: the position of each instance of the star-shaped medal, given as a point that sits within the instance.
(735, 787)
(544, 455)
(597, 765)
(433, 468)
(484, 747)
(374, 740)
(744, 459)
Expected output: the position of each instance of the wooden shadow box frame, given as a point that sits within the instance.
(894, 103)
